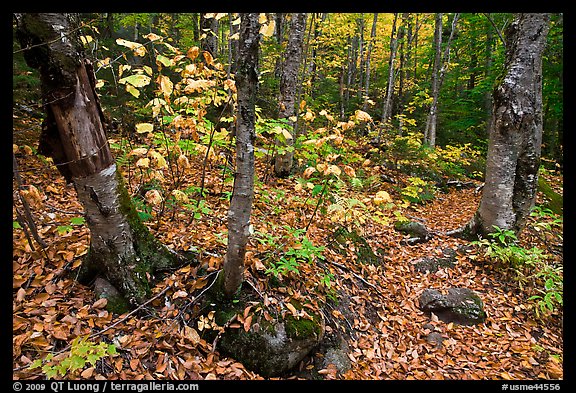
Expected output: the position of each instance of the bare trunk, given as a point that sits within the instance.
(73, 134)
(514, 144)
(368, 55)
(243, 193)
(440, 64)
(288, 89)
(390, 87)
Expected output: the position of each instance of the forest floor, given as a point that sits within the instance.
(374, 305)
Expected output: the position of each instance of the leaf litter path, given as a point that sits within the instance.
(376, 305)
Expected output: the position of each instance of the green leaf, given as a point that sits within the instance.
(77, 221)
(64, 229)
(35, 364)
(166, 62)
(111, 349)
(138, 80)
(16, 225)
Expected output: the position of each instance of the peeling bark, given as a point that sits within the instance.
(121, 248)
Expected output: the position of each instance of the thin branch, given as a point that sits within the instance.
(495, 28)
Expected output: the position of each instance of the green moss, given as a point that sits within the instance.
(343, 238)
(302, 328)
(152, 253)
(117, 305)
(555, 201)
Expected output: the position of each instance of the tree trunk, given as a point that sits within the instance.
(121, 248)
(243, 192)
(514, 144)
(390, 87)
(288, 88)
(368, 55)
(209, 27)
(440, 64)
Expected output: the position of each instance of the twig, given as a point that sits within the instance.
(359, 277)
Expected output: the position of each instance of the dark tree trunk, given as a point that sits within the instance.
(243, 192)
(121, 248)
(514, 145)
(288, 88)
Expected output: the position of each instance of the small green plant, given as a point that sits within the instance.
(64, 229)
(418, 191)
(530, 267)
(82, 352)
(502, 247)
(301, 251)
(550, 297)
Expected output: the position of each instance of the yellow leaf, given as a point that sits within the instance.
(303, 105)
(86, 39)
(292, 309)
(143, 162)
(144, 127)
(382, 197)
(158, 160)
(262, 18)
(322, 167)
(132, 90)
(267, 30)
(286, 134)
(193, 52)
(362, 116)
(309, 171)
(153, 197)
(333, 169)
(166, 85)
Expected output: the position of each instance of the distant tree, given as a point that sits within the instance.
(243, 191)
(122, 250)
(440, 65)
(288, 87)
(515, 139)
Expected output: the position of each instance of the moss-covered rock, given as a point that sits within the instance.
(272, 346)
(460, 305)
(554, 201)
(345, 240)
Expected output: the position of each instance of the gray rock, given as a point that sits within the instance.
(275, 348)
(461, 305)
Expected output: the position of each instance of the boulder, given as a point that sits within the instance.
(460, 305)
(272, 348)
(417, 231)
(346, 241)
(432, 264)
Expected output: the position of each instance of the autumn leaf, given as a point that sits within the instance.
(153, 197)
(144, 127)
(100, 303)
(382, 197)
